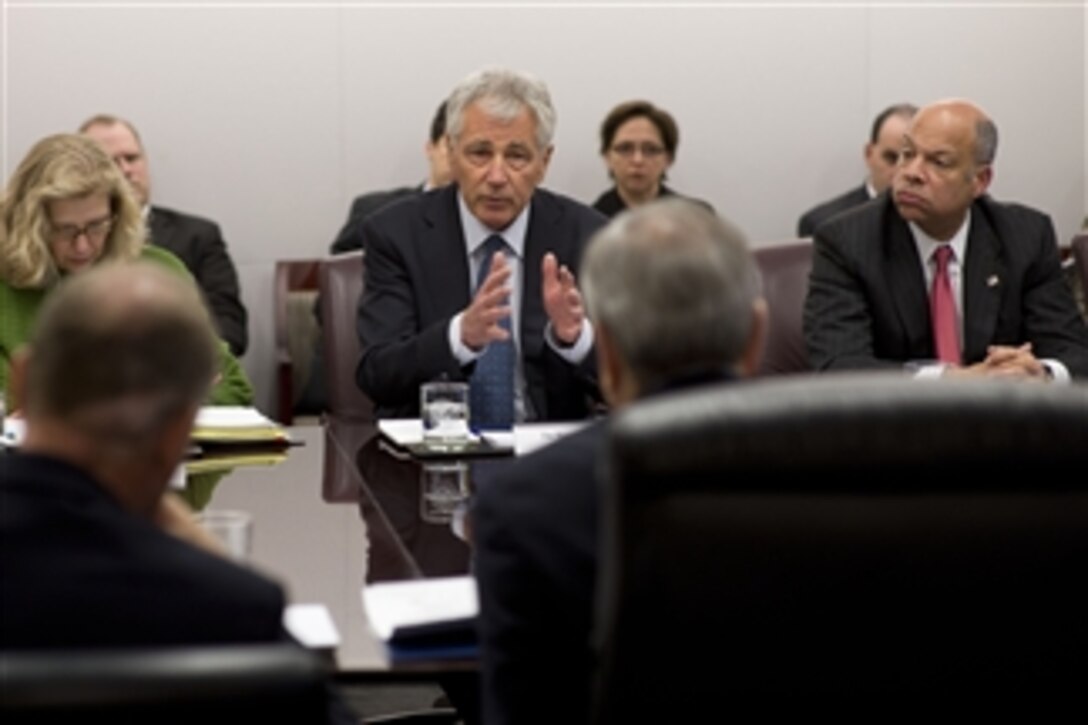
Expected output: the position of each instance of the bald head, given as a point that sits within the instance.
(944, 166)
(969, 122)
(118, 350)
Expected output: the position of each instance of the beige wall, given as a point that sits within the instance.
(270, 119)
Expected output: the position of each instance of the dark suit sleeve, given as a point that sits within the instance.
(805, 225)
(838, 324)
(350, 237)
(1053, 324)
(398, 352)
(351, 234)
(217, 277)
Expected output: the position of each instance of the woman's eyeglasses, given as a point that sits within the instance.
(95, 231)
(628, 149)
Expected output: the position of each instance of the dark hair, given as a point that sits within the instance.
(621, 114)
(906, 110)
(438, 123)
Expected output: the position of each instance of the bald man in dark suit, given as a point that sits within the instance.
(868, 300)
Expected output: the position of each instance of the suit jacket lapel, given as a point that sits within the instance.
(159, 229)
(443, 243)
(906, 285)
(982, 273)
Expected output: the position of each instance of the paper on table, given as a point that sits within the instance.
(527, 437)
(406, 432)
(311, 625)
(220, 423)
(420, 607)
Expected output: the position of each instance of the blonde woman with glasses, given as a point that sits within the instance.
(638, 145)
(66, 209)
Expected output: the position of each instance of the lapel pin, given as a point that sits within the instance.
(992, 280)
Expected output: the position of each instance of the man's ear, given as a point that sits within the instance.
(20, 367)
(610, 369)
(984, 176)
(752, 354)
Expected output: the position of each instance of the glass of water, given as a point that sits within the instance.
(444, 410)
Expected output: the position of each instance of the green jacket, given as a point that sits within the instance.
(19, 308)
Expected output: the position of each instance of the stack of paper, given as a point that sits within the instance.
(236, 424)
(425, 619)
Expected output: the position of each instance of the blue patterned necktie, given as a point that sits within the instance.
(491, 388)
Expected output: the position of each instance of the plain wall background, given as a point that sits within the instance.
(270, 119)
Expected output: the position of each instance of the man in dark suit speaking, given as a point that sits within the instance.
(197, 242)
(938, 275)
(484, 267)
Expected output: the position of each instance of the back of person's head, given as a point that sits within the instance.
(118, 352)
(675, 289)
(659, 117)
(503, 94)
(59, 167)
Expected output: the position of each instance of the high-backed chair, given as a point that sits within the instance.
(341, 279)
(296, 331)
(785, 268)
(828, 540)
(235, 683)
(1079, 249)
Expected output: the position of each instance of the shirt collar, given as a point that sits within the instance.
(926, 244)
(476, 233)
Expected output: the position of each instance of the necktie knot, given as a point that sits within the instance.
(492, 244)
(942, 255)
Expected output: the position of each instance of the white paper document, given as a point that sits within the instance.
(311, 625)
(527, 437)
(399, 610)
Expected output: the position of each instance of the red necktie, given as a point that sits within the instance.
(942, 309)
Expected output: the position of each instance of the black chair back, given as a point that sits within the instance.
(341, 280)
(236, 683)
(785, 269)
(844, 536)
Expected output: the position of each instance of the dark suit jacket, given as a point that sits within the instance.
(351, 235)
(610, 203)
(417, 278)
(868, 306)
(78, 571)
(199, 244)
(536, 530)
(806, 225)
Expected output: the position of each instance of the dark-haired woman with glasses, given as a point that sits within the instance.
(638, 144)
(65, 209)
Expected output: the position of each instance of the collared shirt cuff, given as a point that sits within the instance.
(1059, 373)
(926, 371)
(576, 353)
(460, 350)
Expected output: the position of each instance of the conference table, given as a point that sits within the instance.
(346, 509)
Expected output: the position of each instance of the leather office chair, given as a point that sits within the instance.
(296, 331)
(341, 281)
(785, 268)
(828, 540)
(278, 682)
(1079, 253)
